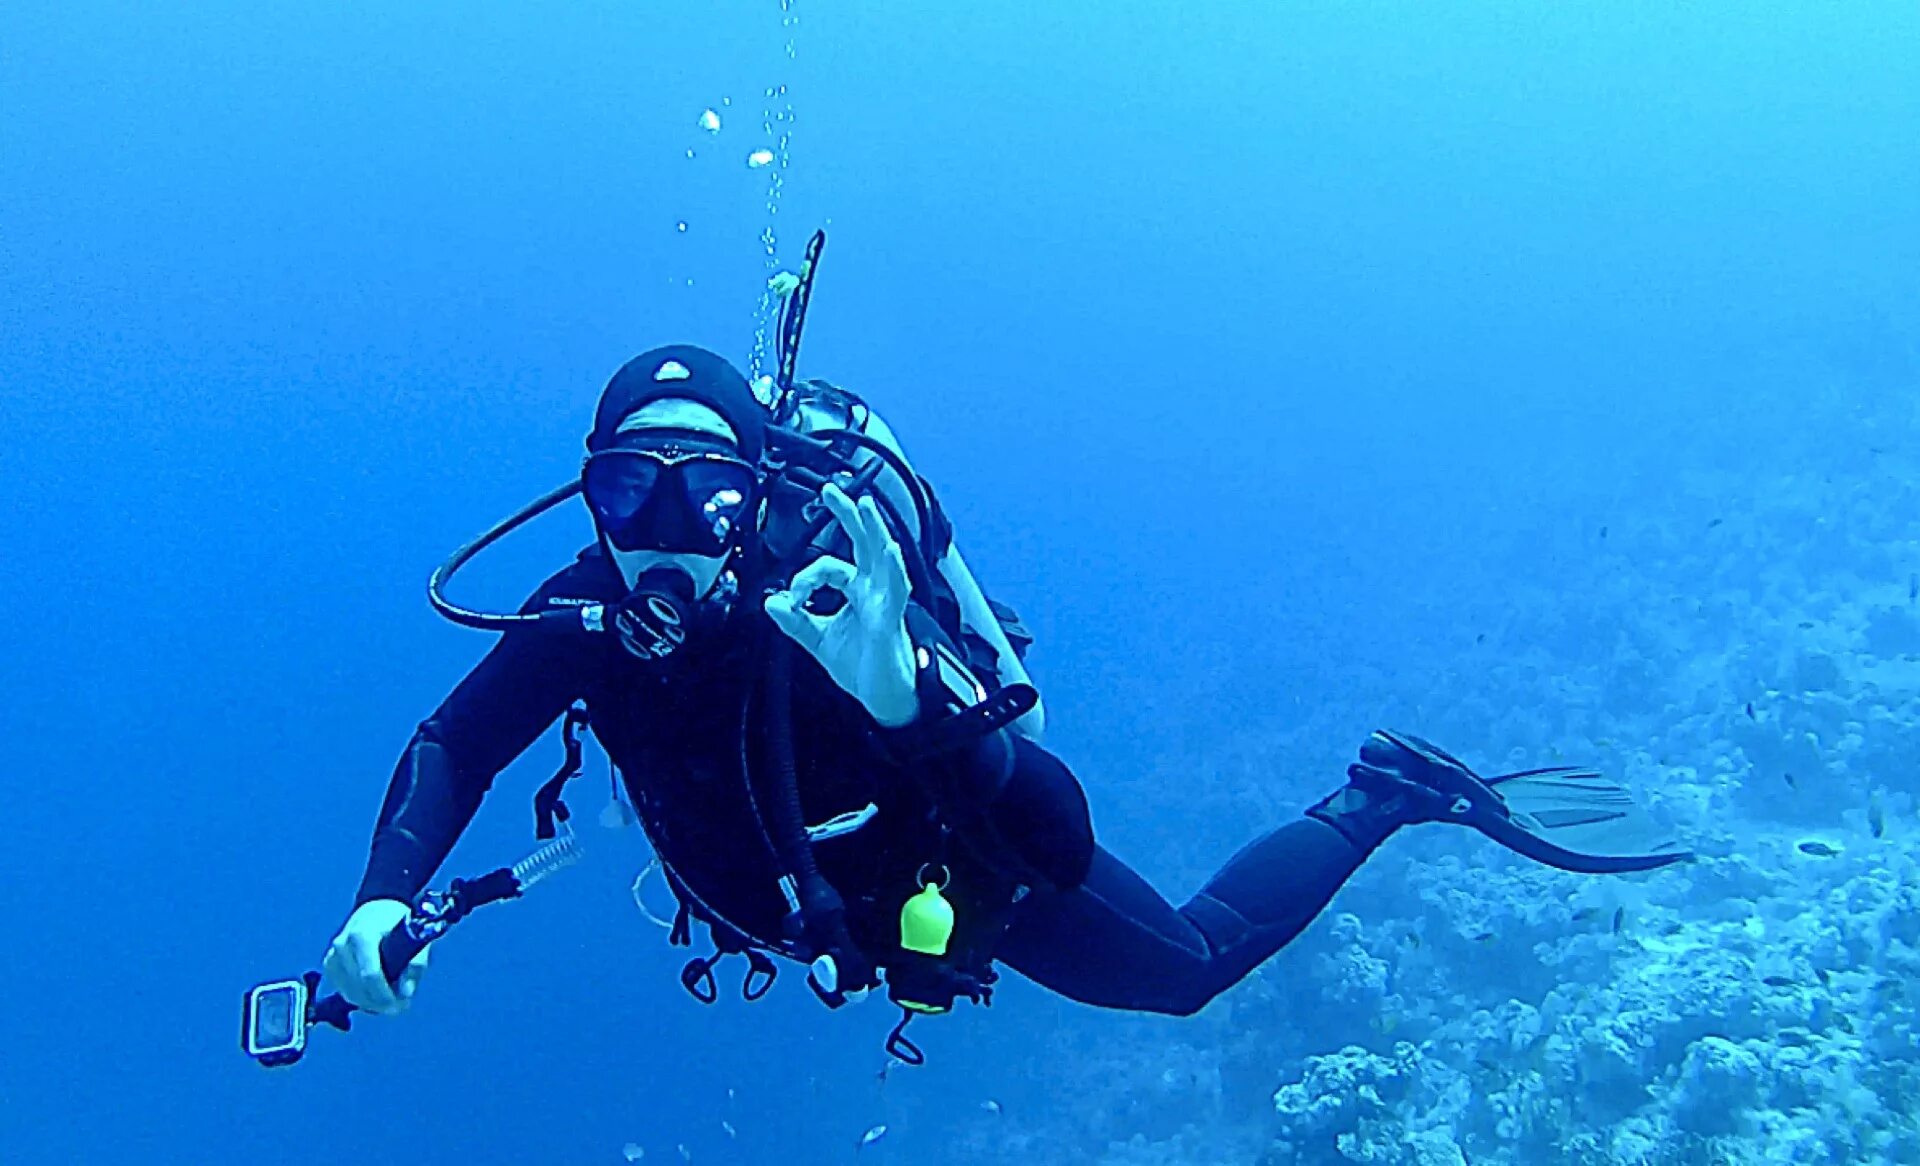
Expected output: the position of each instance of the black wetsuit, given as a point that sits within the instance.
(1088, 927)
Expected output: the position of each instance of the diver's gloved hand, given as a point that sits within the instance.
(353, 959)
(863, 645)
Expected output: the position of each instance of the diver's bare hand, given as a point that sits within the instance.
(864, 645)
(353, 960)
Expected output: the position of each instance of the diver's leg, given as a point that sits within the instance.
(1115, 942)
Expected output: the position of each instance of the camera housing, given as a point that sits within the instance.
(274, 1022)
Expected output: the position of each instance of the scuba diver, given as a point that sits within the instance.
(826, 731)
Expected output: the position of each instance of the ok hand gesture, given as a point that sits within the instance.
(864, 646)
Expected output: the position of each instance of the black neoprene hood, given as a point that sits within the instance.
(685, 372)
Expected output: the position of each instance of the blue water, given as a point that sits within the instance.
(1539, 378)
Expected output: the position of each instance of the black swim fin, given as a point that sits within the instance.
(1572, 818)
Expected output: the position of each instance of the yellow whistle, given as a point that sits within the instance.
(926, 922)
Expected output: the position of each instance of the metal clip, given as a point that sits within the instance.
(841, 825)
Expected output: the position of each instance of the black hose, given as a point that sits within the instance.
(789, 821)
(487, 621)
(822, 914)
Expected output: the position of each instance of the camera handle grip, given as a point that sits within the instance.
(398, 949)
(433, 915)
(396, 952)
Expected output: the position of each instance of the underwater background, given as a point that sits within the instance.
(1544, 379)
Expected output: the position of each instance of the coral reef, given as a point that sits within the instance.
(1750, 660)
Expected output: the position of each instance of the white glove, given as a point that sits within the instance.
(353, 959)
(864, 646)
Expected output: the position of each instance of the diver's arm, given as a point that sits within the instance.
(490, 718)
(974, 612)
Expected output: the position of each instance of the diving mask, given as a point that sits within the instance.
(689, 495)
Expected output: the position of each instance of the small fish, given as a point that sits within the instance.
(1715, 522)
(731, 1132)
(1819, 850)
(1586, 914)
(1807, 625)
(1777, 981)
(1876, 816)
(1790, 780)
(1751, 715)
(1603, 532)
(1481, 638)
(1413, 939)
(1913, 587)
(993, 1107)
(686, 1155)
(1619, 919)
(870, 1137)
(1484, 937)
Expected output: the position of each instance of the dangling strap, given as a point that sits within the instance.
(547, 806)
(900, 1047)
